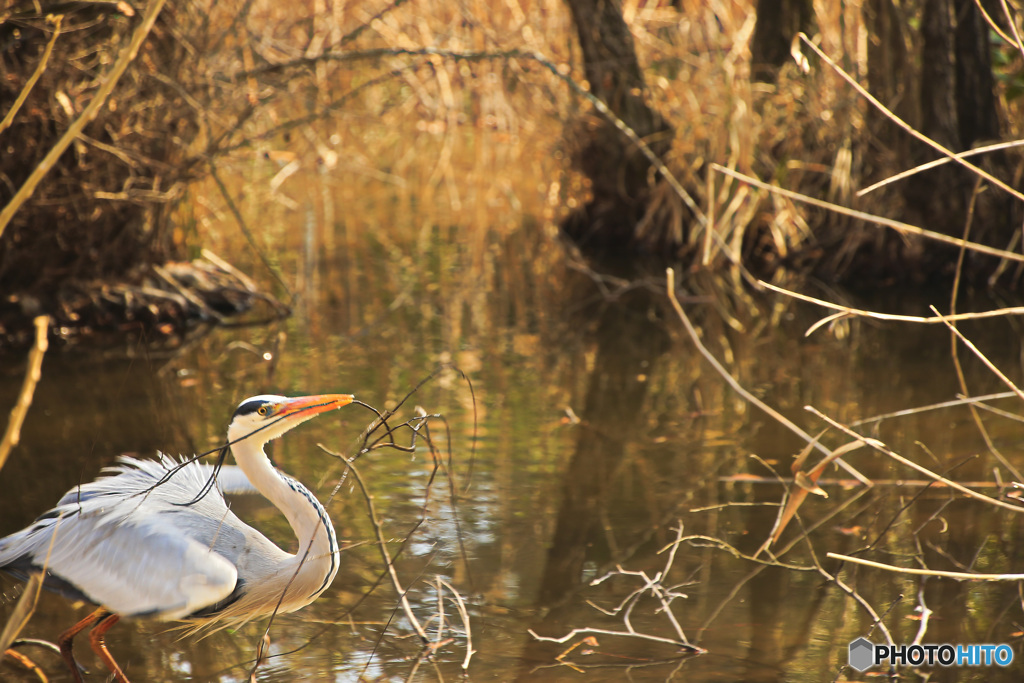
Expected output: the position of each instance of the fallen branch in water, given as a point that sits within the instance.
(882, 448)
(460, 606)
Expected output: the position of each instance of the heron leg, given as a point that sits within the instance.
(100, 647)
(66, 645)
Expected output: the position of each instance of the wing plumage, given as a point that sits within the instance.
(135, 547)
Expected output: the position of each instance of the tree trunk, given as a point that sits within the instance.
(958, 108)
(952, 101)
(618, 172)
(778, 22)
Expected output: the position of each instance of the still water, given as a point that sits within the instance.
(587, 432)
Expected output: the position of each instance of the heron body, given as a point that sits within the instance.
(143, 541)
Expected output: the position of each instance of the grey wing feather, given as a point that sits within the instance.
(231, 480)
(135, 548)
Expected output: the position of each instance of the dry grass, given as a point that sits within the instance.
(354, 135)
(319, 128)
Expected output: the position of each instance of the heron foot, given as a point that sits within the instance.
(100, 620)
(100, 647)
(66, 644)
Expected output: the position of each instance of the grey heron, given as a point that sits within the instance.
(152, 539)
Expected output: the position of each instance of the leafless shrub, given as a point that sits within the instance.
(652, 586)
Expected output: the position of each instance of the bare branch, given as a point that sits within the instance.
(907, 127)
(958, 576)
(108, 82)
(40, 68)
(881, 447)
(846, 310)
(607, 632)
(740, 389)
(898, 226)
(652, 585)
(977, 352)
(382, 546)
(464, 614)
(35, 364)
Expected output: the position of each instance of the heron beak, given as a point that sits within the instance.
(308, 406)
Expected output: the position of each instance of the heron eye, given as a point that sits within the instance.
(262, 410)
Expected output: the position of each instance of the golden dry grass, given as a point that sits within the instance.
(405, 151)
(393, 128)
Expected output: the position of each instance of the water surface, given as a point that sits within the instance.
(587, 435)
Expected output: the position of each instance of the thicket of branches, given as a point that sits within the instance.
(218, 89)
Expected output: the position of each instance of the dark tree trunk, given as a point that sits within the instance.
(952, 101)
(611, 66)
(958, 109)
(975, 86)
(938, 198)
(778, 22)
(619, 173)
(997, 216)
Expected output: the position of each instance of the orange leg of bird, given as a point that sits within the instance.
(66, 645)
(100, 648)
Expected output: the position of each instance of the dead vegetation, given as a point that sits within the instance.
(883, 539)
(103, 203)
(252, 114)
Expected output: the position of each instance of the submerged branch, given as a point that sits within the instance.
(609, 632)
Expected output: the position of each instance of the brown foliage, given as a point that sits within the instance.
(99, 213)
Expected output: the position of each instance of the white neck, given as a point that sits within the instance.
(305, 514)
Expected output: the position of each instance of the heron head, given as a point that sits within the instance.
(267, 417)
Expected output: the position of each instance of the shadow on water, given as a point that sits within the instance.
(85, 412)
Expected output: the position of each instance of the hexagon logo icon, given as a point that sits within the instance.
(862, 654)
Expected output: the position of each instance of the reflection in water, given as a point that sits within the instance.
(628, 345)
(86, 412)
(550, 505)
